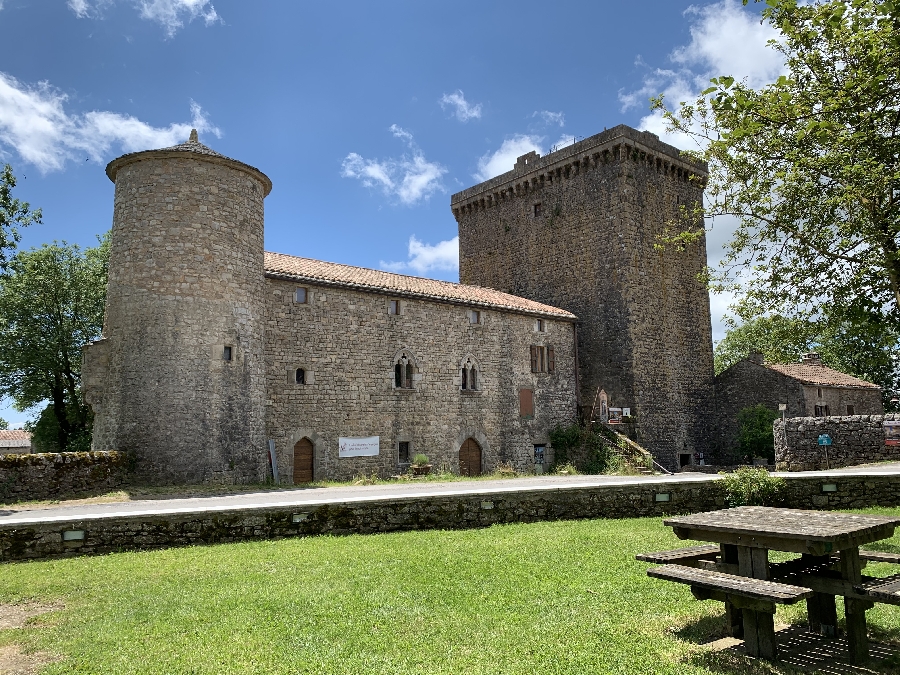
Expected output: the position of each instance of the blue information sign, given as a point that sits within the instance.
(824, 439)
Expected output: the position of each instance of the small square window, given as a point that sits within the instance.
(474, 316)
(403, 452)
(300, 296)
(394, 307)
(537, 210)
(851, 410)
(226, 353)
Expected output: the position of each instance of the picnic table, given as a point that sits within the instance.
(736, 569)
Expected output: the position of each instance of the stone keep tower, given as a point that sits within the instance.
(577, 229)
(178, 376)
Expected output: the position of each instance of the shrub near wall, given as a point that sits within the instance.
(858, 439)
(52, 475)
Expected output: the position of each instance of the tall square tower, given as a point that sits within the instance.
(580, 229)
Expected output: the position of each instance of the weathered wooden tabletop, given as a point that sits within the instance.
(792, 530)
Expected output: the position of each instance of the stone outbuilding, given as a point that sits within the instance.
(15, 442)
(808, 389)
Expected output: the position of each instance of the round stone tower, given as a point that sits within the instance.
(178, 377)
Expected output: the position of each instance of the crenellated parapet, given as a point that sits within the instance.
(619, 145)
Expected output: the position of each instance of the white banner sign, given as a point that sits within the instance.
(358, 447)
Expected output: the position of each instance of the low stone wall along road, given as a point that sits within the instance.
(100, 528)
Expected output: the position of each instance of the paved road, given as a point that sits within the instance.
(301, 496)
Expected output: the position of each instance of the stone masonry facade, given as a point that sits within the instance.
(578, 229)
(209, 355)
(857, 439)
(349, 388)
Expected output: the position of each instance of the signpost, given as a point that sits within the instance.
(825, 441)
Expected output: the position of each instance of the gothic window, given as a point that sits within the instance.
(403, 372)
(469, 375)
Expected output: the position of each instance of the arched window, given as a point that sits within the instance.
(403, 372)
(300, 376)
(469, 375)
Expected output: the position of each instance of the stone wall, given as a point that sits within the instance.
(858, 439)
(185, 281)
(347, 342)
(54, 475)
(443, 511)
(577, 229)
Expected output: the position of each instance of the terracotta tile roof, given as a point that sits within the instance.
(14, 435)
(281, 266)
(820, 375)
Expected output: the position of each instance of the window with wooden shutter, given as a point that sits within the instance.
(526, 403)
(534, 358)
(551, 360)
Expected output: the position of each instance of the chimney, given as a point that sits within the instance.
(811, 359)
(756, 357)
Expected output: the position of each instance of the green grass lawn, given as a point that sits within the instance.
(563, 597)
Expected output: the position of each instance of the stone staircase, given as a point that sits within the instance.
(628, 451)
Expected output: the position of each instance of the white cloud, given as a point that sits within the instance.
(35, 123)
(504, 159)
(551, 117)
(424, 258)
(726, 39)
(463, 110)
(411, 178)
(170, 14)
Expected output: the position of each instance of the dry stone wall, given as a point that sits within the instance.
(858, 439)
(347, 343)
(54, 475)
(460, 511)
(578, 229)
(185, 281)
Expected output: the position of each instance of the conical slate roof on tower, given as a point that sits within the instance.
(192, 146)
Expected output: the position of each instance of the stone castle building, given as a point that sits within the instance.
(579, 229)
(214, 352)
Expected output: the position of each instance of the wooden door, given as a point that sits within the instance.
(303, 461)
(470, 458)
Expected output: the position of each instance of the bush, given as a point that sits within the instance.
(580, 447)
(420, 460)
(749, 486)
(755, 435)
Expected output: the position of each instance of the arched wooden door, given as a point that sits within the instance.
(470, 458)
(303, 461)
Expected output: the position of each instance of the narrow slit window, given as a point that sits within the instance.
(850, 410)
(226, 353)
(300, 376)
(537, 210)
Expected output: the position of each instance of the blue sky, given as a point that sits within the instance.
(367, 116)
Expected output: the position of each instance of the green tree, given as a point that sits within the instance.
(755, 435)
(4, 424)
(14, 214)
(809, 165)
(51, 303)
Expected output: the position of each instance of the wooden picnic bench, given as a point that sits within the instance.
(756, 597)
(737, 570)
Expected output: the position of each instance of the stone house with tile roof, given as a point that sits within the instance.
(808, 388)
(216, 355)
(15, 442)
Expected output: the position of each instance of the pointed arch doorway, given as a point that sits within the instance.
(303, 461)
(470, 458)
